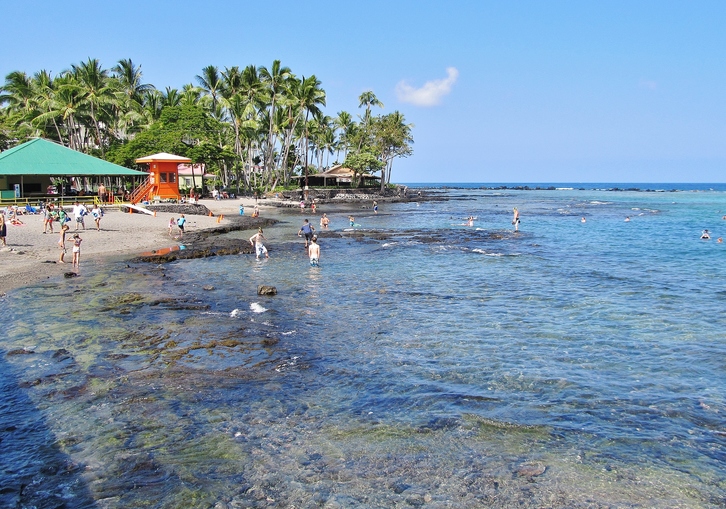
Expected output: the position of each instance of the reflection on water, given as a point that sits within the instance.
(420, 365)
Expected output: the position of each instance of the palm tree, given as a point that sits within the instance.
(346, 125)
(368, 99)
(275, 80)
(308, 95)
(130, 77)
(210, 82)
(94, 83)
(153, 102)
(44, 91)
(17, 91)
(171, 97)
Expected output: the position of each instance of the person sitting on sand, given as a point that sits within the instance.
(256, 241)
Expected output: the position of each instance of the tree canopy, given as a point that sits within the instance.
(253, 127)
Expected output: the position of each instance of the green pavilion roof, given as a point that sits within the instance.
(43, 157)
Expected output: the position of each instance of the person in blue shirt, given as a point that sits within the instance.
(180, 223)
(306, 229)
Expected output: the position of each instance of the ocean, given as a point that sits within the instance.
(425, 363)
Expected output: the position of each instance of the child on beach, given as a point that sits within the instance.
(77, 250)
(172, 224)
(48, 218)
(62, 242)
(180, 224)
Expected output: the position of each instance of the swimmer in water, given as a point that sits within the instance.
(719, 240)
(705, 235)
(627, 219)
(583, 220)
(515, 219)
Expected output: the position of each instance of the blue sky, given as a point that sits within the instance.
(520, 91)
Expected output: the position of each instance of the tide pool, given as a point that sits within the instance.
(424, 363)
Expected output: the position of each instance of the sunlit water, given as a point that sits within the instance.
(424, 363)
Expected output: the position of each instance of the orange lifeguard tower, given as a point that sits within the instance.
(163, 180)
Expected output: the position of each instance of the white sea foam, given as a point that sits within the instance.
(234, 313)
(255, 307)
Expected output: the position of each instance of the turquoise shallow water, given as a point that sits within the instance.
(424, 363)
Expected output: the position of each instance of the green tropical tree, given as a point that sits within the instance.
(211, 83)
(97, 92)
(308, 96)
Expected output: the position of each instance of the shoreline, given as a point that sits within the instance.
(31, 256)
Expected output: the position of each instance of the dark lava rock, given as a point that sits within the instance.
(266, 290)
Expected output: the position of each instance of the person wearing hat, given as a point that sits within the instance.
(314, 252)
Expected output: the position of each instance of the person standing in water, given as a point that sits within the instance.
(314, 252)
(515, 219)
(256, 241)
(375, 207)
(306, 229)
(324, 221)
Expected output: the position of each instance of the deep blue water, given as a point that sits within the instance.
(571, 364)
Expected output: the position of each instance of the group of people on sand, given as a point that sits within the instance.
(52, 214)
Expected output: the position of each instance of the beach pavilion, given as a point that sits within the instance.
(339, 176)
(29, 169)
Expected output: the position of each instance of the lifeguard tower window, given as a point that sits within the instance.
(172, 178)
(162, 178)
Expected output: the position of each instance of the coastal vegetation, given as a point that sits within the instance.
(255, 128)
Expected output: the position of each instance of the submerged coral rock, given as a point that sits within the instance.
(266, 290)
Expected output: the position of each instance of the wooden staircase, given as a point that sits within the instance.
(141, 192)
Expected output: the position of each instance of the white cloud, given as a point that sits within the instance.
(430, 93)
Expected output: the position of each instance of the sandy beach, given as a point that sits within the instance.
(31, 255)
